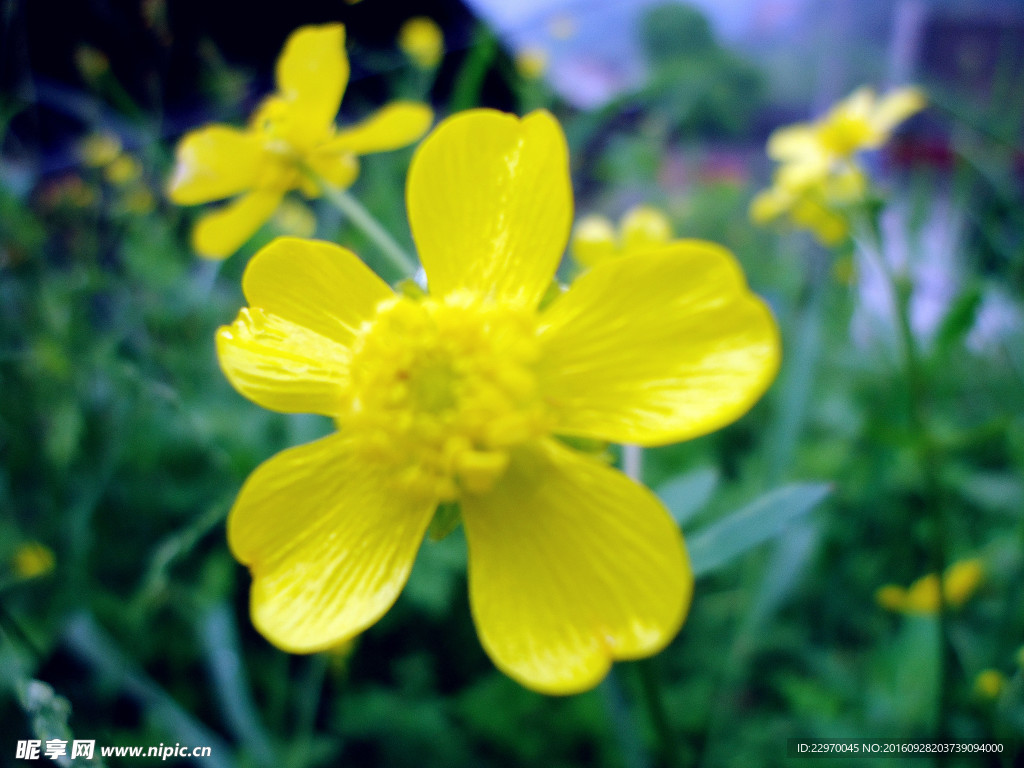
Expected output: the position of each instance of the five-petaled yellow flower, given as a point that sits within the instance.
(462, 396)
(819, 176)
(290, 143)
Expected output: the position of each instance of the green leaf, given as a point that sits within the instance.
(759, 521)
(689, 493)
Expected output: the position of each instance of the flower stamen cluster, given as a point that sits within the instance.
(442, 389)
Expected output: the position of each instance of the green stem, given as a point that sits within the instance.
(650, 682)
(900, 291)
(372, 228)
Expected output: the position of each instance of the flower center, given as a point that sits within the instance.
(442, 389)
(845, 134)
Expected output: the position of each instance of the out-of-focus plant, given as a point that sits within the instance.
(820, 182)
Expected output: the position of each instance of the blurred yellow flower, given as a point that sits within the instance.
(99, 149)
(819, 209)
(123, 170)
(531, 63)
(422, 41)
(811, 152)
(960, 582)
(460, 396)
(92, 63)
(989, 683)
(594, 239)
(819, 178)
(295, 219)
(32, 560)
(290, 143)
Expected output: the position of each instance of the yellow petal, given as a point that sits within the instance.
(312, 73)
(490, 204)
(770, 204)
(329, 546)
(593, 241)
(657, 348)
(281, 365)
(319, 286)
(897, 106)
(572, 565)
(219, 234)
(214, 162)
(339, 168)
(792, 142)
(396, 125)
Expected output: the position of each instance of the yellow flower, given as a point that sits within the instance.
(818, 209)
(32, 560)
(531, 63)
(291, 136)
(811, 152)
(422, 41)
(99, 149)
(123, 170)
(989, 683)
(819, 178)
(595, 240)
(295, 218)
(960, 582)
(460, 395)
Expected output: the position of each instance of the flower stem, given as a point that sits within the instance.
(650, 682)
(899, 290)
(372, 228)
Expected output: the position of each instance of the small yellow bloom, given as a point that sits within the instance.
(290, 141)
(32, 560)
(531, 63)
(92, 63)
(123, 170)
(989, 683)
(422, 41)
(295, 219)
(819, 177)
(595, 240)
(960, 582)
(99, 149)
(461, 395)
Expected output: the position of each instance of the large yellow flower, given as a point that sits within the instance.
(290, 136)
(461, 396)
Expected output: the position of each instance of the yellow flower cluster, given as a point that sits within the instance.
(291, 143)
(959, 584)
(819, 177)
(595, 239)
(464, 395)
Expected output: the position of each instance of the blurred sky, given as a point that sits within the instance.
(593, 47)
(813, 51)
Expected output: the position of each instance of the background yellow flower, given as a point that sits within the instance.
(291, 143)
